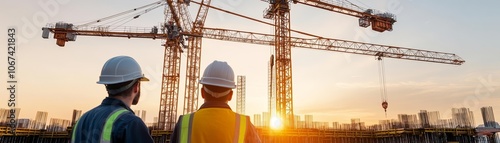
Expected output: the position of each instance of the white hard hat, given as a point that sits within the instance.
(218, 73)
(120, 69)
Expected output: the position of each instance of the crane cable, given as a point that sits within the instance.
(161, 2)
(133, 16)
(359, 7)
(383, 90)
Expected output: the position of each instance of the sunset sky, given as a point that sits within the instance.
(332, 86)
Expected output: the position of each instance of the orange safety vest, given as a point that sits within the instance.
(200, 128)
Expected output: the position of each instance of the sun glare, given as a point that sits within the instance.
(276, 123)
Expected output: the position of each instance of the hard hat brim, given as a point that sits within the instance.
(144, 79)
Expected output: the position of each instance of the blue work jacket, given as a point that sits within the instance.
(127, 128)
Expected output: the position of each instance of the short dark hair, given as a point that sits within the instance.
(120, 85)
(215, 89)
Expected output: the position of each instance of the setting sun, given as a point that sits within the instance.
(276, 123)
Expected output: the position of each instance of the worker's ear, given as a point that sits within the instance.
(230, 96)
(203, 93)
(137, 87)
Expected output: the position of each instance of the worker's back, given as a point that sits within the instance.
(215, 122)
(213, 125)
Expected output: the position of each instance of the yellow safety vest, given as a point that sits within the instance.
(187, 129)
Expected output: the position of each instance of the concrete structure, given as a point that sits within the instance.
(257, 120)
(309, 121)
(76, 115)
(58, 125)
(8, 116)
(40, 120)
(266, 119)
(23, 123)
(488, 116)
(141, 114)
(462, 117)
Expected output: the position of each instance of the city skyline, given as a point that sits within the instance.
(461, 118)
(328, 85)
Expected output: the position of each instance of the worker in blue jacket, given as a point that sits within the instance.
(113, 121)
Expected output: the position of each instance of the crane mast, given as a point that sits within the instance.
(167, 115)
(194, 59)
(279, 11)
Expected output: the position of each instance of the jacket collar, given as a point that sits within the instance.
(215, 104)
(115, 102)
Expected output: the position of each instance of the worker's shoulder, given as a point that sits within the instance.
(128, 119)
(129, 116)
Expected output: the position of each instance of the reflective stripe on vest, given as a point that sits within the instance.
(187, 125)
(108, 126)
(240, 128)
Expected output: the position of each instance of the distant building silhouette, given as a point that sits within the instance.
(257, 120)
(141, 114)
(309, 121)
(424, 119)
(23, 123)
(40, 120)
(433, 118)
(335, 125)
(6, 116)
(266, 119)
(76, 115)
(488, 116)
(408, 121)
(462, 117)
(58, 125)
(296, 121)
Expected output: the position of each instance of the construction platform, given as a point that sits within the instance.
(422, 135)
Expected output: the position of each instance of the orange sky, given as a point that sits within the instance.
(329, 85)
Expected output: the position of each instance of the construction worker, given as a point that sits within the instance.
(113, 120)
(215, 122)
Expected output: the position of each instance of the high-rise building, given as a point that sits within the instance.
(301, 125)
(335, 125)
(40, 120)
(488, 116)
(4, 113)
(257, 120)
(385, 124)
(266, 119)
(155, 122)
(462, 117)
(424, 119)
(58, 125)
(23, 123)
(355, 124)
(309, 121)
(76, 115)
(296, 119)
(408, 121)
(433, 118)
(404, 119)
(143, 115)
(8, 116)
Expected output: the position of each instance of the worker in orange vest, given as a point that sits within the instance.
(215, 122)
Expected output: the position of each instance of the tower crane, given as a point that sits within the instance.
(173, 33)
(279, 11)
